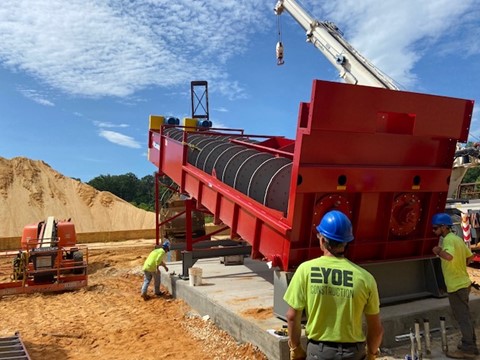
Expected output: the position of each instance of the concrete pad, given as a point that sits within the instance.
(239, 299)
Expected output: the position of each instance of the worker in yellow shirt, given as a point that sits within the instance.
(455, 255)
(335, 294)
(151, 269)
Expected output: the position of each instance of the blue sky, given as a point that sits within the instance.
(79, 78)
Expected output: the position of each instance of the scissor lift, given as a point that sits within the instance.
(49, 260)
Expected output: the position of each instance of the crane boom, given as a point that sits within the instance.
(326, 37)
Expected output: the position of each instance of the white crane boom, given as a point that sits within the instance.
(326, 37)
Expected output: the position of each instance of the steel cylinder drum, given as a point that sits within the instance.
(195, 146)
(259, 175)
(261, 178)
(247, 168)
(234, 163)
(205, 152)
(213, 156)
(276, 194)
(223, 158)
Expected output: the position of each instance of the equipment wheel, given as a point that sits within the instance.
(78, 262)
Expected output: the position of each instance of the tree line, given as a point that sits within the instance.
(138, 192)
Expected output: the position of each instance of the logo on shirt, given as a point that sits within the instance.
(333, 282)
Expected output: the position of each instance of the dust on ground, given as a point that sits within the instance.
(109, 320)
(260, 313)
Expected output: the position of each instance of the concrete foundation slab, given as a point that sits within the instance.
(239, 299)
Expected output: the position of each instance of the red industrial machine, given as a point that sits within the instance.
(382, 157)
(49, 260)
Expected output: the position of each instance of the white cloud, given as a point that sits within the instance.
(219, 125)
(101, 48)
(109, 125)
(119, 139)
(394, 35)
(97, 48)
(36, 96)
(221, 109)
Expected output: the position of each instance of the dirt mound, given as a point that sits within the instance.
(30, 190)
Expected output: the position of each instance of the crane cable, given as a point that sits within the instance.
(279, 47)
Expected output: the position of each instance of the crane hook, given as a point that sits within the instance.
(279, 51)
(279, 47)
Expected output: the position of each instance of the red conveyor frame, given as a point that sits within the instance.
(383, 157)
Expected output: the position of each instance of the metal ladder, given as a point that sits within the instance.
(12, 347)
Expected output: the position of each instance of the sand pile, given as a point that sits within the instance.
(30, 191)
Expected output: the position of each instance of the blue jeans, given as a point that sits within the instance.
(147, 278)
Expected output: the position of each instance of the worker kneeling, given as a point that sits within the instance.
(151, 269)
(335, 294)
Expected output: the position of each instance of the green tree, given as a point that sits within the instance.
(124, 186)
(145, 193)
(472, 175)
(127, 186)
(138, 192)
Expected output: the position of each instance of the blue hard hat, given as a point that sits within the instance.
(166, 244)
(442, 219)
(335, 225)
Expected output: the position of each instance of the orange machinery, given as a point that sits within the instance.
(49, 260)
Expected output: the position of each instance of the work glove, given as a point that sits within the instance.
(297, 353)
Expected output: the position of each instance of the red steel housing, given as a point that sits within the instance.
(383, 157)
